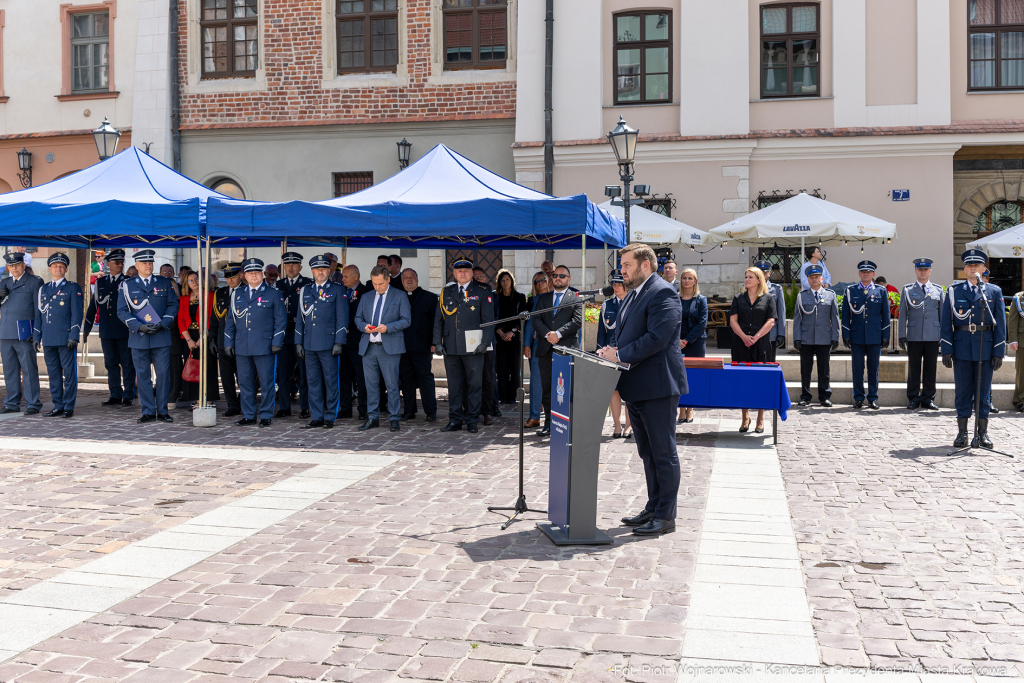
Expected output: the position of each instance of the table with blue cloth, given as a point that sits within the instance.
(757, 387)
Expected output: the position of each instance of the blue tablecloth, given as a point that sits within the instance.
(739, 386)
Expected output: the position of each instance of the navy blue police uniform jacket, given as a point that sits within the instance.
(865, 316)
(964, 308)
(322, 321)
(105, 303)
(59, 313)
(135, 296)
(19, 304)
(253, 326)
(290, 293)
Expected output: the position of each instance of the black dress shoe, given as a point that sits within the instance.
(328, 424)
(912, 405)
(642, 518)
(304, 414)
(993, 410)
(396, 425)
(804, 402)
(873, 405)
(369, 424)
(283, 413)
(127, 401)
(111, 402)
(544, 431)
(452, 427)
(858, 404)
(245, 422)
(497, 414)
(656, 527)
(265, 422)
(407, 417)
(231, 412)
(930, 405)
(488, 420)
(165, 418)
(146, 418)
(8, 411)
(827, 403)
(32, 411)
(430, 418)
(68, 413)
(314, 424)
(54, 413)
(471, 429)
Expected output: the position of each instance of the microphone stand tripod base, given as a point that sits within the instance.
(519, 508)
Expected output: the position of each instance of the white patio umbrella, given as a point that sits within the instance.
(803, 217)
(652, 227)
(1007, 243)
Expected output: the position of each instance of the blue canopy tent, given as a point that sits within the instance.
(444, 200)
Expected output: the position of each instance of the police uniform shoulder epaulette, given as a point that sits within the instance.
(452, 284)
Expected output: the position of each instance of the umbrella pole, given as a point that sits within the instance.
(803, 254)
(284, 246)
(344, 254)
(605, 252)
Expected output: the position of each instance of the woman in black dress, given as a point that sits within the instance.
(751, 317)
(694, 330)
(506, 337)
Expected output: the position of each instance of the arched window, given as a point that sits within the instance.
(999, 216)
(229, 187)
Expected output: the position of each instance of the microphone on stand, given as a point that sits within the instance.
(605, 291)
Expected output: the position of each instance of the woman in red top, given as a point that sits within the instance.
(188, 327)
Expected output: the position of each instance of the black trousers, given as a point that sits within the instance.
(228, 377)
(654, 428)
(489, 388)
(352, 372)
(928, 354)
(544, 363)
(465, 387)
(507, 361)
(176, 364)
(810, 354)
(414, 373)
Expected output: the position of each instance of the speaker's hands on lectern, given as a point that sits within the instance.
(609, 353)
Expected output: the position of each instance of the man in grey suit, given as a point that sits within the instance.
(815, 335)
(382, 317)
(18, 297)
(555, 327)
(919, 332)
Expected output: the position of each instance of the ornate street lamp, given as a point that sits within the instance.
(25, 164)
(623, 142)
(404, 148)
(106, 138)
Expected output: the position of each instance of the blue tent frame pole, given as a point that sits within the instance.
(85, 304)
(583, 263)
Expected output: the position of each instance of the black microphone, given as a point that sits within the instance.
(605, 291)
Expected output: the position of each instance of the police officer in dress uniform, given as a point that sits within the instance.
(226, 363)
(609, 316)
(320, 330)
(865, 328)
(464, 305)
(777, 335)
(117, 357)
(150, 340)
(1015, 342)
(58, 324)
(255, 327)
(289, 285)
(966, 324)
(815, 335)
(19, 294)
(919, 316)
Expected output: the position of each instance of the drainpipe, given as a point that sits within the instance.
(175, 104)
(549, 148)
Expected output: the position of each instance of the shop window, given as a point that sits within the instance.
(643, 57)
(475, 34)
(789, 50)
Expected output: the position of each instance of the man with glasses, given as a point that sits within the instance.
(555, 327)
(540, 286)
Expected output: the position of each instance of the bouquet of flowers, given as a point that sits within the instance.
(591, 312)
(894, 304)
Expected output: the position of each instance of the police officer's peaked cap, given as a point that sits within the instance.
(867, 266)
(291, 257)
(923, 263)
(814, 270)
(115, 255)
(14, 257)
(232, 268)
(974, 256)
(616, 277)
(987, 273)
(319, 261)
(59, 257)
(250, 265)
(145, 256)
(462, 263)
(766, 266)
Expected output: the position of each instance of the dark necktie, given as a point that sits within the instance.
(376, 311)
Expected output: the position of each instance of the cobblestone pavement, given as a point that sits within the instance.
(912, 558)
(403, 576)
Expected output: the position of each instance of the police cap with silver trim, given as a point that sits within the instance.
(923, 263)
(291, 257)
(14, 257)
(616, 277)
(232, 268)
(145, 256)
(462, 263)
(251, 265)
(115, 255)
(766, 266)
(814, 270)
(319, 261)
(59, 257)
(974, 256)
(987, 273)
(867, 266)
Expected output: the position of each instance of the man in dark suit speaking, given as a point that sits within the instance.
(555, 327)
(648, 332)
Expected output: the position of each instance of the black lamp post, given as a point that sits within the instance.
(106, 138)
(25, 164)
(623, 142)
(404, 148)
